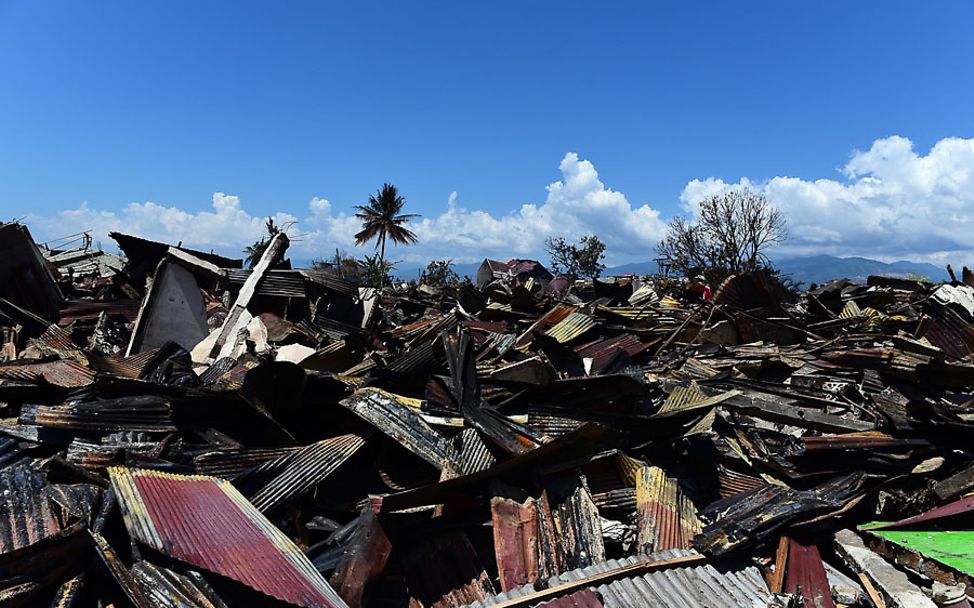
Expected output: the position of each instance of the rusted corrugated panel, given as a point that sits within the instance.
(299, 472)
(684, 398)
(330, 281)
(56, 342)
(572, 536)
(206, 522)
(475, 454)
(167, 589)
(731, 482)
(571, 327)
(666, 519)
(278, 283)
(95, 456)
(383, 410)
(25, 513)
(230, 463)
(444, 572)
(84, 310)
(554, 316)
(142, 413)
(805, 575)
(66, 374)
(515, 541)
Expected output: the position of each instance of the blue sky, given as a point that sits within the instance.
(107, 107)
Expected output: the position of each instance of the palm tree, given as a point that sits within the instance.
(256, 251)
(383, 218)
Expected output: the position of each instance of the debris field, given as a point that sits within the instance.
(178, 431)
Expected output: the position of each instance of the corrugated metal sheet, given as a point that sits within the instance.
(84, 310)
(725, 585)
(805, 575)
(25, 513)
(206, 522)
(66, 374)
(95, 456)
(142, 413)
(414, 360)
(585, 598)
(276, 283)
(55, 341)
(571, 327)
(299, 472)
(444, 571)
(167, 589)
(686, 398)
(230, 463)
(331, 281)
(554, 316)
(666, 519)
(515, 527)
(475, 453)
(384, 411)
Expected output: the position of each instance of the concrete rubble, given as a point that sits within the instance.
(178, 431)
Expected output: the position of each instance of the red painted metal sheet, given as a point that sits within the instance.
(805, 575)
(515, 541)
(205, 522)
(585, 598)
(963, 505)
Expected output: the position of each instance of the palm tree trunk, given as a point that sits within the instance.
(382, 262)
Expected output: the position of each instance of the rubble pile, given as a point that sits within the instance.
(178, 431)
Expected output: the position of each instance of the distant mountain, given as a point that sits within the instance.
(822, 268)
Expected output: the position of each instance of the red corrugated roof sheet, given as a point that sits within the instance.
(206, 522)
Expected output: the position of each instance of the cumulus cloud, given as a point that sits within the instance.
(890, 202)
(227, 227)
(575, 205)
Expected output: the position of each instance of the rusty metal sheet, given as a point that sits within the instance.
(66, 374)
(142, 413)
(206, 522)
(297, 473)
(445, 572)
(386, 412)
(25, 513)
(571, 327)
(515, 525)
(665, 517)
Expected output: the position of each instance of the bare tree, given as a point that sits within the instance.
(730, 236)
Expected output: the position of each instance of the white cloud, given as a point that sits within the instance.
(576, 205)
(891, 203)
(887, 202)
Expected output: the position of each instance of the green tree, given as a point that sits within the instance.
(581, 260)
(383, 218)
(440, 273)
(256, 251)
(376, 271)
